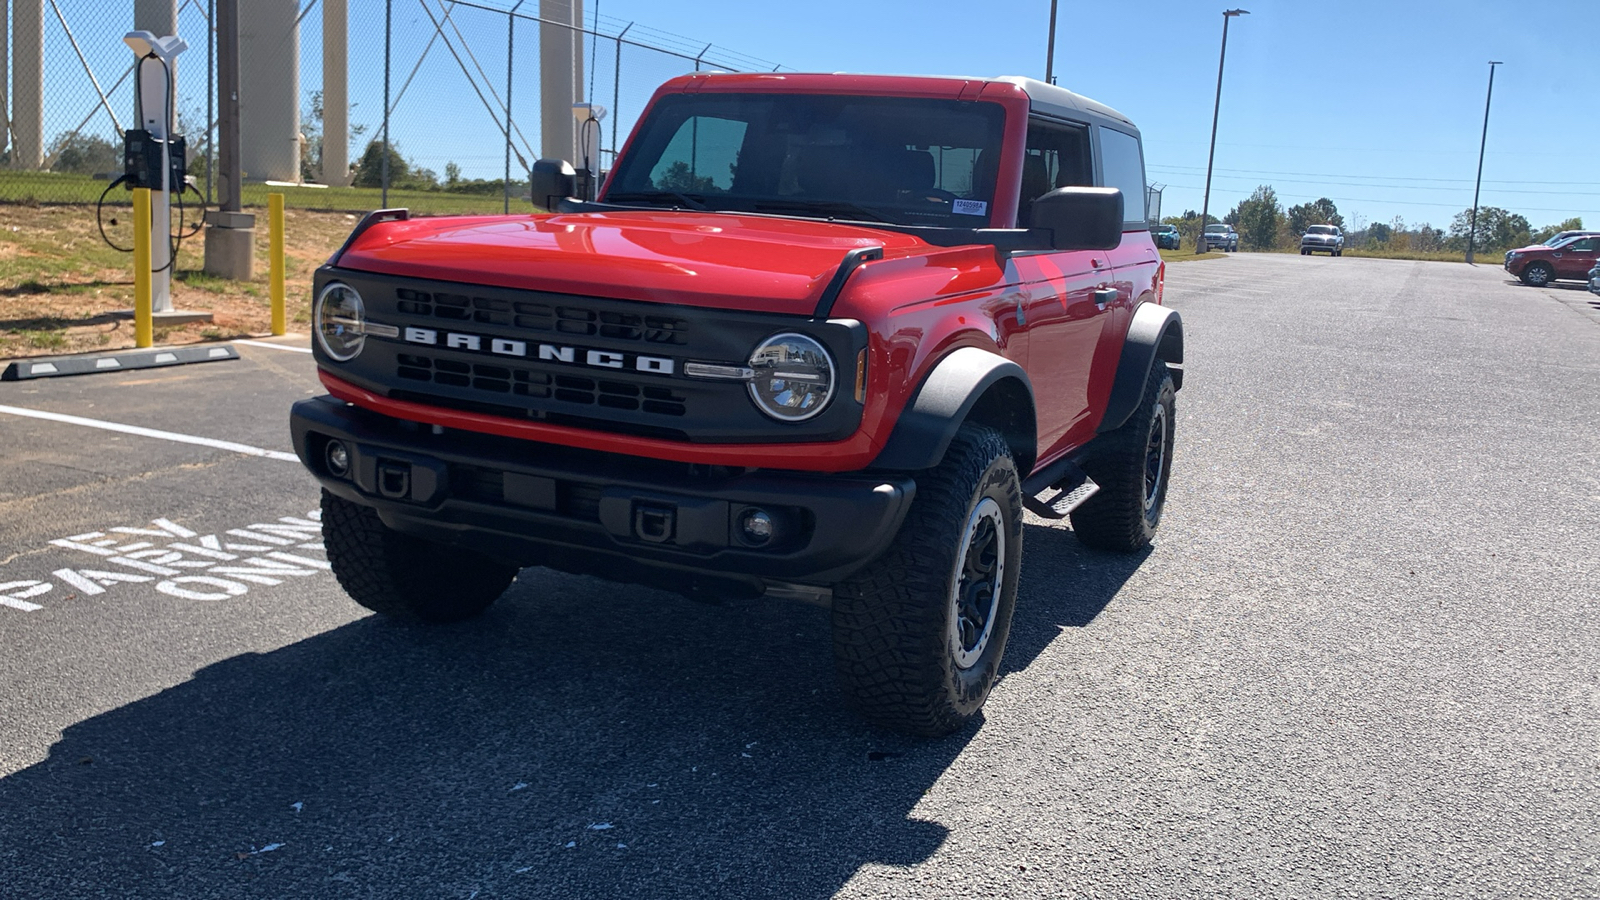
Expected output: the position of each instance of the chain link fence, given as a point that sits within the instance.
(463, 98)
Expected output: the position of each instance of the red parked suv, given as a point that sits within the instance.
(1539, 264)
(820, 337)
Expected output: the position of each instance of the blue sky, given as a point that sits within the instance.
(1378, 106)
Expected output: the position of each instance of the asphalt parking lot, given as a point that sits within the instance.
(1362, 658)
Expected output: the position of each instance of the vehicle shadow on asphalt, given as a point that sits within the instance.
(578, 740)
(1064, 585)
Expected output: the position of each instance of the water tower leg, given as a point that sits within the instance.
(335, 93)
(27, 83)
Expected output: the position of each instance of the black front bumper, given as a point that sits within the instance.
(626, 518)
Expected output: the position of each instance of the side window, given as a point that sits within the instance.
(1056, 156)
(1123, 165)
(701, 157)
(1587, 244)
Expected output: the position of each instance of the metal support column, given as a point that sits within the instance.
(560, 76)
(27, 84)
(335, 93)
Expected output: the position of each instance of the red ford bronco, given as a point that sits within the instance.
(819, 337)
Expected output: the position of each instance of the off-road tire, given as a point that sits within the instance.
(1124, 514)
(1538, 274)
(898, 637)
(405, 577)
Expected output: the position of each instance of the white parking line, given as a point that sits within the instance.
(273, 346)
(149, 432)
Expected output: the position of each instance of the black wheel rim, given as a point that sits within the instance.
(977, 583)
(1155, 458)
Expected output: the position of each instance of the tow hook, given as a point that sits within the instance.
(656, 524)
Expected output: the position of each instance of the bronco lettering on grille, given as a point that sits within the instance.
(600, 359)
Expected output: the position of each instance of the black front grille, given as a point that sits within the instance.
(596, 363)
(576, 389)
(552, 318)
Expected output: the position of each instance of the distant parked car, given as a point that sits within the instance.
(1222, 236)
(1594, 279)
(1561, 236)
(1167, 236)
(1322, 238)
(1557, 238)
(1538, 265)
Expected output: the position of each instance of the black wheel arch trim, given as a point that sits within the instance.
(944, 401)
(1156, 332)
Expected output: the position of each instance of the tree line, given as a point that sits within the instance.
(1264, 224)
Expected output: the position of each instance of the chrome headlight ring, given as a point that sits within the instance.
(794, 377)
(339, 319)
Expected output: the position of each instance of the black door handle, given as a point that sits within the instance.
(1104, 296)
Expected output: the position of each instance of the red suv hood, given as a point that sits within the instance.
(719, 260)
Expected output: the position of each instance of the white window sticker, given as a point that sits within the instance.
(970, 207)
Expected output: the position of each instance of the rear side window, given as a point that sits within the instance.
(1122, 164)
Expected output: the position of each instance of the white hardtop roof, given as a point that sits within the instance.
(1051, 98)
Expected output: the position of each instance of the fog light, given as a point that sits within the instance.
(756, 525)
(338, 456)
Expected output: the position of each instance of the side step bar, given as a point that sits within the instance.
(1064, 502)
(1071, 484)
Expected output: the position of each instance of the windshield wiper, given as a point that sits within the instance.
(827, 207)
(688, 200)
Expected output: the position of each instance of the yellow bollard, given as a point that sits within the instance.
(143, 329)
(280, 324)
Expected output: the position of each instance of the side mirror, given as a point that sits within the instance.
(1081, 218)
(550, 181)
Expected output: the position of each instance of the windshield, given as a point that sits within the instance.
(1319, 229)
(1216, 229)
(904, 160)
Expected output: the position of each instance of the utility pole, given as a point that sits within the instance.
(1472, 229)
(1050, 54)
(1205, 205)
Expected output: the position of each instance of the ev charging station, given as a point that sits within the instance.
(154, 157)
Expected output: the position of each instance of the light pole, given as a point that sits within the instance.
(1205, 205)
(1472, 229)
(1050, 54)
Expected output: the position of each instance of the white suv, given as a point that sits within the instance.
(1320, 238)
(1222, 236)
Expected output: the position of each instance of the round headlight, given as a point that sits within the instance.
(794, 377)
(340, 321)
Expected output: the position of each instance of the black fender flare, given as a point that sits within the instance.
(943, 402)
(1156, 332)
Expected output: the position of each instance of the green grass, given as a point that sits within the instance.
(48, 340)
(1387, 253)
(1182, 255)
(199, 279)
(1494, 256)
(52, 188)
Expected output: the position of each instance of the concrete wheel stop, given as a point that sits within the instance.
(116, 361)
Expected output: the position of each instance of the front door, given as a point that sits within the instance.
(1576, 258)
(1063, 294)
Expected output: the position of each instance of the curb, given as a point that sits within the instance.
(23, 370)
